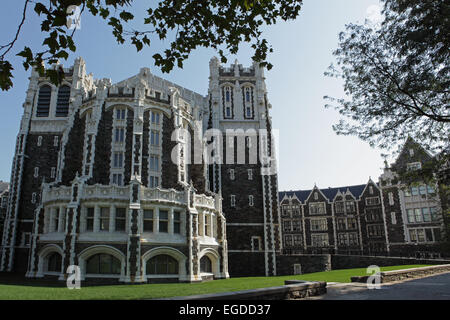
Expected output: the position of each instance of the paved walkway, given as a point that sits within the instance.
(430, 288)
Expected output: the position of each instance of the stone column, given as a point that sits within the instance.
(156, 220)
(170, 227)
(112, 218)
(183, 218)
(61, 219)
(97, 218)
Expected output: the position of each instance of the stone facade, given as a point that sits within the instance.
(386, 218)
(4, 195)
(105, 177)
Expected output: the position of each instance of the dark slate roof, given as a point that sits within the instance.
(329, 193)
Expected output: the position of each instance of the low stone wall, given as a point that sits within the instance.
(293, 289)
(398, 275)
(349, 262)
(309, 263)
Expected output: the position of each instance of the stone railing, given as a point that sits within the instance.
(202, 200)
(61, 193)
(398, 275)
(293, 289)
(163, 195)
(113, 192)
(105, 192)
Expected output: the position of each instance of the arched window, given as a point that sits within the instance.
(205, 264)
(247, 94)
(43, 104)
(227, 94)
(103, 264)
(162, 264)
(62, 104)
(54, 262)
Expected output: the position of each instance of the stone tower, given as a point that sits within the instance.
(245, 174)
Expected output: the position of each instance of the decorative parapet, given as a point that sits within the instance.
(110, 192)
(201, 200)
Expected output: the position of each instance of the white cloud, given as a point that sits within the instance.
(373, 14)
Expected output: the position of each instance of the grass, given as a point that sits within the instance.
(152, 291)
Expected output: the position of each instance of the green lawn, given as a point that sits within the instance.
(150, 291)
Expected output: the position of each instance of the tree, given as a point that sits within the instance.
(220, 24)
(396, 76)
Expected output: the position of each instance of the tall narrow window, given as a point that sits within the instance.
(119, 135)
(104, 219)
(62, 103)
(90, 219)
(231, 174)
(120, 114)
(233, 200)
(53, 173)
(391, 198)
(247, 94)
(163, 220)
(148, 220)
(154, 138)
(118, 160)
(55, 220)
(154, 181)
(120, 219)
(207, 225)
(393, 218)
(227, 94)
(248, 112)
(118, 179)
(176, 222)
(155, 117)
(39, 141)
(250, 174)
(250, 201)
(36, 172)
(154, 163)
(43, 104)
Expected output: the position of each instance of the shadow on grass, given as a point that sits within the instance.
(19, 279)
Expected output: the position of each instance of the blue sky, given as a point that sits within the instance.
(309, 151)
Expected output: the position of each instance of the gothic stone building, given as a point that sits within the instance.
(386, 218)
(4, 192)
(102, 179)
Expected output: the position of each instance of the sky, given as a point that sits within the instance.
(310, 152)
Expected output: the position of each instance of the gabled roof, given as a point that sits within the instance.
(329, 193)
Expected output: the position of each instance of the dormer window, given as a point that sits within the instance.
(370, 189)
(316, 196)
(411, 152)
